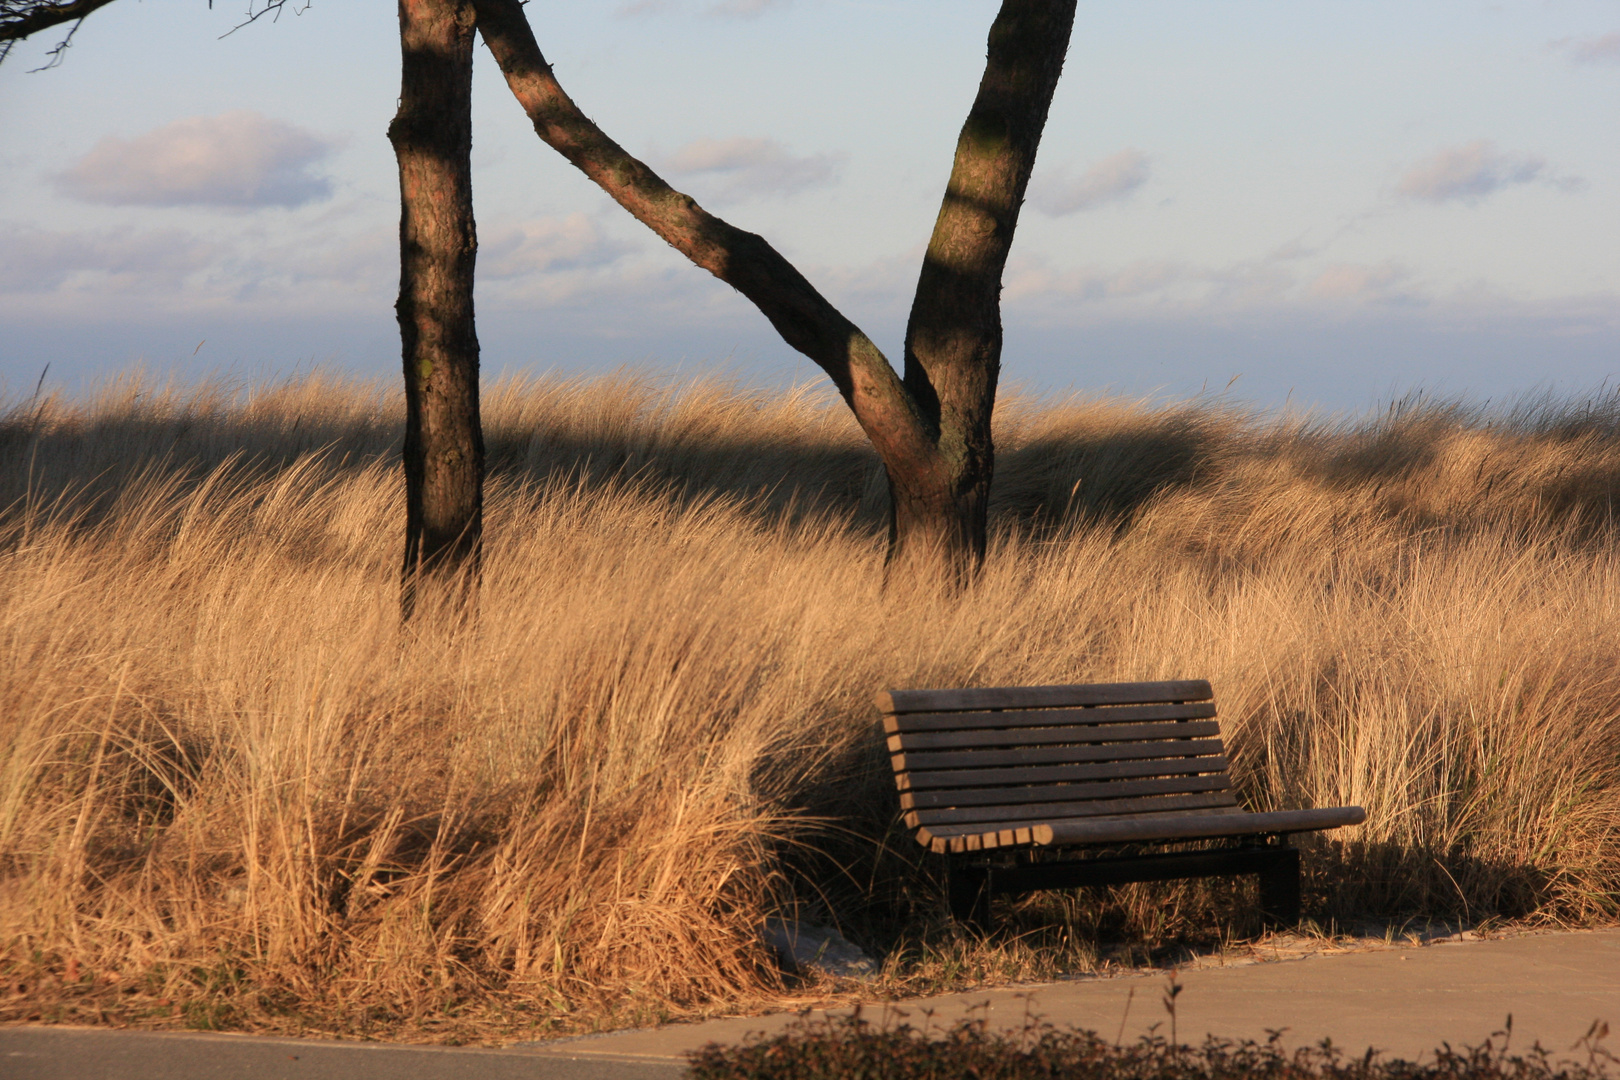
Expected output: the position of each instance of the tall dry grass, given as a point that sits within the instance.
(234, 791)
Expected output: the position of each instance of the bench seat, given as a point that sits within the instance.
(1016, 769)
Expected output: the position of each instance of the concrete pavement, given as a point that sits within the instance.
(1403, 1000)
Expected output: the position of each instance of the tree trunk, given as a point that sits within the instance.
(932, 429)
(953, 338)
(444, 443)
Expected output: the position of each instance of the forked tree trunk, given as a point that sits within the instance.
(931, 429)
(444, 443)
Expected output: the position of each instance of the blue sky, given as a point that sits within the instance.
(1333, 201)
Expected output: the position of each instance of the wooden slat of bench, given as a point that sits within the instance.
(975, 841)
(984, 779)
(1039, 697)
(990, 834)
(967, 817)
(1026, 822)
(1052, 755)
(1179, 826)
(990, 840)
(1002, 737)
(1054, 793)
(987, 837)
(1127, 829)
(956, 721)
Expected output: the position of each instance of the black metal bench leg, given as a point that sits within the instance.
(970, 896)
(1279, 889)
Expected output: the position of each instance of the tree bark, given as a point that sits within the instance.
(953, 337)
(932, 429)
(444, 444)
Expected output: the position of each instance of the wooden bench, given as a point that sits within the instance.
(999, 778)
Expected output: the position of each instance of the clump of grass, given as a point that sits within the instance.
(848, 1046)
(235, 792)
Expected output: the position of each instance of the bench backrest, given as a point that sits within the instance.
(978, 769)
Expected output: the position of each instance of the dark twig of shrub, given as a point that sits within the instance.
(852, 1048)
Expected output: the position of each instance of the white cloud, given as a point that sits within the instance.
(1110, 179)
(1474, 170)
(364, 263)
(311, 268)
(547, 244)
(1596, 49)
(722, 9)
(1385, 283)
(41, 261)
(1035, 280)
(752, 167)
(744, 9)
(103, 272)
(237, 159)
(1034, 288)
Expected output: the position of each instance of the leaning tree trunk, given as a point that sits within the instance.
(444, 443)
(932, 429)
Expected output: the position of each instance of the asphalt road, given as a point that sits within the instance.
(64, 1053)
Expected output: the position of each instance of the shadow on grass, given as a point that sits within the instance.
(1072, 464)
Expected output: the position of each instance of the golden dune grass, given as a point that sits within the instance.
(233, 792)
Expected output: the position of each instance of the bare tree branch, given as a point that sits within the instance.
(271, 8)
(743, 260)
(22, 18)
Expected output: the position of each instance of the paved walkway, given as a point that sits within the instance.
(1405, 1001)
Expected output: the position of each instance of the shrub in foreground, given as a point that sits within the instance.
(851, 1047)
